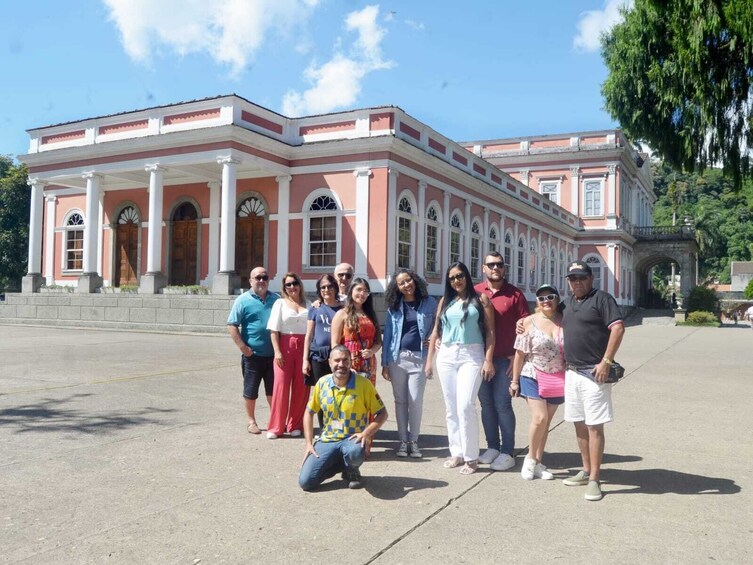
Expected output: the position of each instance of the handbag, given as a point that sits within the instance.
(616, 372)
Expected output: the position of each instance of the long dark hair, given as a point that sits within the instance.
(471, 298)
(351, 317)
(331, 280)
(392, 295)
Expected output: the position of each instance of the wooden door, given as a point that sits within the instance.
(126, 253)
(249, 246)
(184, 253)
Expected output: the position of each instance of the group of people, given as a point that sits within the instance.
(480, 341)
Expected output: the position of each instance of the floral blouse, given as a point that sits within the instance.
(364, 338)
(542, 352)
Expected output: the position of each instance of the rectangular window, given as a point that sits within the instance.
(432, 248)
(592, 198)
(508, 256)
(521, 268)
(323, 241)
(454, 247)
(550, 190)
(475, 256)
(74, 250)
(403, 243)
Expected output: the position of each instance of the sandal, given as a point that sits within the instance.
(453, 462)
(253, 428)
(469, 468)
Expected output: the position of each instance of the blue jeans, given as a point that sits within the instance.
(334, 456)
(497, 416)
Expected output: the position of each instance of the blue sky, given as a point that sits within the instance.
(477, 69)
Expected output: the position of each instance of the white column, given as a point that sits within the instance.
(612, 203)
(467, 236)
(611, 267)
(362, 221)
(100, 228)
(574, 191)
(214, 230)
(49, 256)
(227, 227)
(524, 174)
(91, 227)
(35, 227)
(485, 237)
(283, 224)
(446, 234)
(154, 239)
(420, 242)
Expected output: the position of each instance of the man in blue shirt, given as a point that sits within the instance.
(247, 324)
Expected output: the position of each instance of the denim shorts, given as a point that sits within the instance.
(257, 369)
(529, 388)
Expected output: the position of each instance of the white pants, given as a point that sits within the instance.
(459, 370)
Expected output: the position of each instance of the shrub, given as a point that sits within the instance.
(702, 318)
(703, 299)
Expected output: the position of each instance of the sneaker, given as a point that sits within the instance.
(541, 472)
(352, 476)
(296, 433)
(527, 472)
(271, 435)
(502, 463)
(402, 451)
(488, 456)
(579, 480)
(593, 491)
(415, 452)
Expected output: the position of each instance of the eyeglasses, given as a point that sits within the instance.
(261, 278)
(344, 275)
(291, 284)
(495, 265)
(326, 287)
(458, 277)
(577, 278)
(547, 298)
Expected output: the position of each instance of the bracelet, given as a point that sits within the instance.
(608, 361)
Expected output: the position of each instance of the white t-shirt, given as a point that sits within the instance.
(286, 320)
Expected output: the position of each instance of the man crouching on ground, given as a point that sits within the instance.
(347, 400)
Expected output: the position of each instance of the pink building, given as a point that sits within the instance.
(198, 193)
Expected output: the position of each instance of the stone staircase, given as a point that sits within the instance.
(183, 313)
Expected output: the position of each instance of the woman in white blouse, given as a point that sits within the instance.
(287, 328)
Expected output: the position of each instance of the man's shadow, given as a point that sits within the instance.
(383, 487)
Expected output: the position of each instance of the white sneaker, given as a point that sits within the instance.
(296, 433)
(488, 456)
(527, 472)
(502, 463)
(541, 472)
(271, 435)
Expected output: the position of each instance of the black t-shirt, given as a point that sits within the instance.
(586, 324)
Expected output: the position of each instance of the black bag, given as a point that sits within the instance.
(616, 372)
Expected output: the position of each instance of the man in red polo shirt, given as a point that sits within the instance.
(497, 415)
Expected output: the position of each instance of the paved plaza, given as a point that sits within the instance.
(125, 447)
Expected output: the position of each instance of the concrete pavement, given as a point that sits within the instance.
(126, 447)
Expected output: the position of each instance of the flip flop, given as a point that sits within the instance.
(453, 462)
(253, 428)
(469, 468)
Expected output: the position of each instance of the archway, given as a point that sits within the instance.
(650, 254)
(250, 238)
(126, 247)
(183, 259)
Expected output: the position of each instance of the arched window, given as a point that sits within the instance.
(405, 224)
(532, 280)
(74, 242)
(521, 263)
(594, 262)
(493, 239)
(508, 252)
(251, 207)
(475, 266)
(552, 268)
(542, 265)
(322, 218)
(432, 240)
(128, 215)
(456, 228)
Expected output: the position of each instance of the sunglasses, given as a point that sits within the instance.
(458, 277)
(326, 287)
(496, 265)
(344, 275)
(261, 278)
(292, 284)
(547, 298)
(578, 278)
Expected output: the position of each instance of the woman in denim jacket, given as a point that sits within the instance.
(410, 318)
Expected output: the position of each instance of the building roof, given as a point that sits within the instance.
(742, 268)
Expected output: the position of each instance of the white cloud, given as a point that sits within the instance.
(595, 22)
(230, 31)
(418, 26)
(337, 83)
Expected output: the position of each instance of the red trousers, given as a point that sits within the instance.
(290, 394)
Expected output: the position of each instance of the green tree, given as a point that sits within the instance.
(680, 75)
(748, 292)
(14, 223)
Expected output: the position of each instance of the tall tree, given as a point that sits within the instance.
(14, 223)
(680, 75)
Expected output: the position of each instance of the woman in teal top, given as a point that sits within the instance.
(465, 329)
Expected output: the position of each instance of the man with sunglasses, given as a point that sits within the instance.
(247, 324)
(593, 330)
(343, 275)
(497, 415)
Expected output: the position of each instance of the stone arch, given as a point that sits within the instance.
(648, 254)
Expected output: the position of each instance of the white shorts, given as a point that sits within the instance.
(586, 401)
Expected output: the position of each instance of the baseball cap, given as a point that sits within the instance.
(578, 268)
(549, 287)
